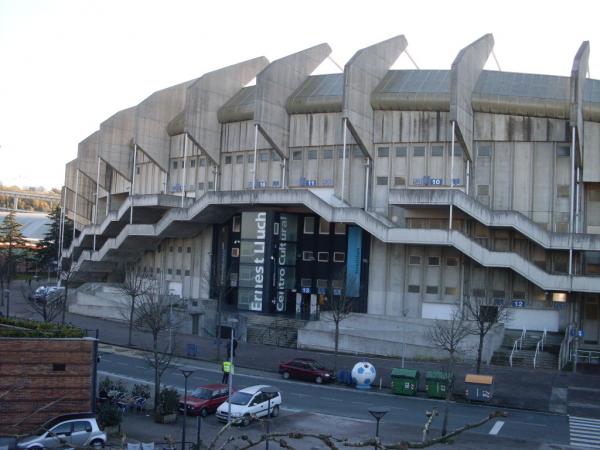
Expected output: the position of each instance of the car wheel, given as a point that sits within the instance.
(246, 420)
(319, 380)
(97, 443)
(286, 375)
(275, 411)
(204, 412)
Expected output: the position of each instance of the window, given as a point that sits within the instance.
(458, 151)
(201, 186)
(433, 261)
(323, 226)
(158, 270)
(327, 153)
(437, 150)
(189, 249)
(478, 292)
(383, 152)
(321, 283)
(414, 288)
(192, 163)
(275, 156)
(201, 162)
(520, 295)
(58, 367)
(399, 181)
(170, 271)
(211, 185)
(563, 151)
(137, 170)
(308, 256)
(323, 256)
(174, 164)
(382, 181)
(431, 290)
(235, 252)
(178, 272)
(228, 160)
(63, 428)
(414, 260)
(305, 282)
(179, 249)
(498, 294)
(171, 249)
(264, 156)
(339, 257)
(484, 151)
(451, 261)
(187, 273)
(81, 425)
(340, 228)
(451, 291)
(297, 155)
(250, 158)
(239, 159)
(276, 183)
(400, 152)
(309, 225)
(483, 189)
(236, 225)
(312, 154)
(419, 151)
(182, 163)
(562, 190)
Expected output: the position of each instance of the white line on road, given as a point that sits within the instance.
(496, 428)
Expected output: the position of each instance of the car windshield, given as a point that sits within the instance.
(240, 398)
(201, 393)
(317, 366)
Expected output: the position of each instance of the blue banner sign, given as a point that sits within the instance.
(353, 262)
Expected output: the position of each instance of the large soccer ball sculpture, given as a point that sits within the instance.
(363, 375)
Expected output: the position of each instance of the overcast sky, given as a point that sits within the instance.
(66, 66)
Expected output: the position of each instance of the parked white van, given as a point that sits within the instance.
(253, 401)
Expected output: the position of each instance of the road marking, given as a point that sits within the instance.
(496, 428)
(584, 432)
(331, 399)
(586, 389)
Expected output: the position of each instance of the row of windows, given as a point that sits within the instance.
(419, 151)
(150, 270)
(416, 289)
(415, 260)
(338, 257)
(309, 226)
(172, 249)
(485, 151)
(181, 163)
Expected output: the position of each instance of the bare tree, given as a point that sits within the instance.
(153, 315)
(340, 307)
(49, 307)
(484, 315)
(137, 283)
(66, 275)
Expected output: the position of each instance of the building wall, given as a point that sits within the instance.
(48, 377)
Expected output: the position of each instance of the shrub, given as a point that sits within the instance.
(109, 415)
(30, 328)
(168, 402)
(106, 385)
(141, 390)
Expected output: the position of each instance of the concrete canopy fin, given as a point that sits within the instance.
(577, 82)
(116, 141)
(275, 84)
(70, 181)
(207, 94)
(87, 156)
(465, 71)
(362, 74)
(152, 119)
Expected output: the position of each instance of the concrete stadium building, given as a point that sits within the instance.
(406, 190)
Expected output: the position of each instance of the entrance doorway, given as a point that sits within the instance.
(591, 324)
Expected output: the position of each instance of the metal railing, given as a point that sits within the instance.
(564, 354)
(588, 356)
(539, 347)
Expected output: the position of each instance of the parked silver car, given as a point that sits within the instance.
(71, 430)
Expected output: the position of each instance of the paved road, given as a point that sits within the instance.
(533, 427)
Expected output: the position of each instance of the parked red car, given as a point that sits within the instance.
(204, 399)
(306, 369)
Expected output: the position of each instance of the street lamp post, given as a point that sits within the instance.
(378, 414)
(186, 371)
(270, 391)
(232, 321)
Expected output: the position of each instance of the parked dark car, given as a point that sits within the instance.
(204, 399)
(306, 369)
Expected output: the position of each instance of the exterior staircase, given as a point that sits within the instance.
(273, 330)
(524, 356)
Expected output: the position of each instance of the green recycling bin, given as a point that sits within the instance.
(405, 381)
(437, 383)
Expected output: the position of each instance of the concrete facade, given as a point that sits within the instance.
(369, 209)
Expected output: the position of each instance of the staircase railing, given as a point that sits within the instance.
(564, 355)
(517, 345)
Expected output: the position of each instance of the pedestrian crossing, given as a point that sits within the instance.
(585, 433)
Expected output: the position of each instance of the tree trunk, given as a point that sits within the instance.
(479, 351)
(337, 342)
(131, 312)
(65, 303)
